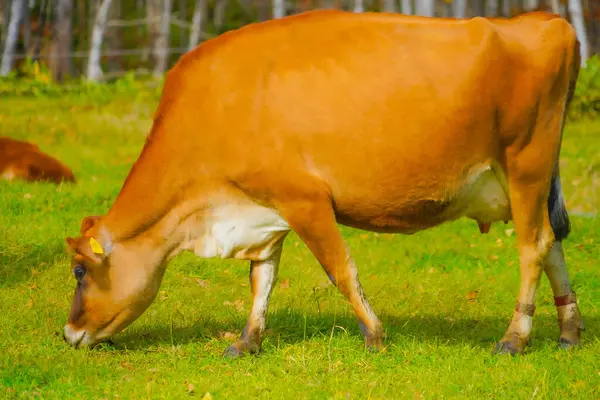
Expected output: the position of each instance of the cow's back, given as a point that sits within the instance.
(379, 109)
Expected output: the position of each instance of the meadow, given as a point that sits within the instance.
(445, 295)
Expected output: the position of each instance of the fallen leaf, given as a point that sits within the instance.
(27, 195)
(202, 283)
(190, 388)
(227, 335)
(125, 364)
(207, 396)
(472, 295)
(508, 232)
(285, 284)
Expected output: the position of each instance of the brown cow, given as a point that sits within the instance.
(24, 160)
(381, 122)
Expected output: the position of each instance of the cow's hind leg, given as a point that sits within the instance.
(569, 318)
(314, 221)
(263, 275)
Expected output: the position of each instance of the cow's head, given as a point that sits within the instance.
(115, 284)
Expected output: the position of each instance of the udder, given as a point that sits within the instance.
(485, 197)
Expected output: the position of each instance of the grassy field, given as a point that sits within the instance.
(445, 295)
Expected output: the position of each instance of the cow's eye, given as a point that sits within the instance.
(79, 272)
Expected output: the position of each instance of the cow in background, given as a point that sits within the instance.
(24, 160)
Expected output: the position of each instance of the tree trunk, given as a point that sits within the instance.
(531, 5)
(197, 23)
(4, 18)
(389, 6)
(594, 26)
(40, 31)
(459, 8)
(278, 8)
(94, 71)
(10, 44)
(359, 6)
(219, 14)
(506, 8)
(62, 65)
(152, 11)
(113, 38)
(26, 18)
(425, 8)
(492, 8)
(478, 9)
(577, 19)
(161, 44)
(407, 7)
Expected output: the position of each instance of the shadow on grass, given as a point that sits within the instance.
(289, 328)
(16, 267)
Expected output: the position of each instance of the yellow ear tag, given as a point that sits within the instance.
(96, 248)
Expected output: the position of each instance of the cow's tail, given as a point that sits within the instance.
(559, 218)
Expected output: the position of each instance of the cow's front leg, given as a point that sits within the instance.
(263, 275)
(535, 239)
(315, 223)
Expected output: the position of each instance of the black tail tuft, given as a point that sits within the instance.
(559, 219)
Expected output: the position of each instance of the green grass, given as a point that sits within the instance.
(445, 295)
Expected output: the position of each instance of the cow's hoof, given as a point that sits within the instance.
(240, 348)
(512, 347)
(232, 352)
(374, 344)
(506, 348)
(567, 344)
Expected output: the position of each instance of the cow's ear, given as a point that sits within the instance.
(87, 247)
(87, 223)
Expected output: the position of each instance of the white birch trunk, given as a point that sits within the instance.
(197, 23)
(425, 8)
(531, 4)
(8, 55)
(407, 7)
(459, 8)
(492, 8)
(94, 71)
(161, 44)
(358, 6)
(389, 6)
(577, 20)
(278, 9)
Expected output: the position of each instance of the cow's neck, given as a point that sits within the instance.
(149, 193)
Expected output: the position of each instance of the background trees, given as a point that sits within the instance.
(103, 39)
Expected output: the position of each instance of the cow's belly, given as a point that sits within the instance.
(482, 196)
(248, 232)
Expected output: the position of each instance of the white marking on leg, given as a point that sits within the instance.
(263, 275)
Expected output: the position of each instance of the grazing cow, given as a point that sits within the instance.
(381, 122)
(24, 160)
